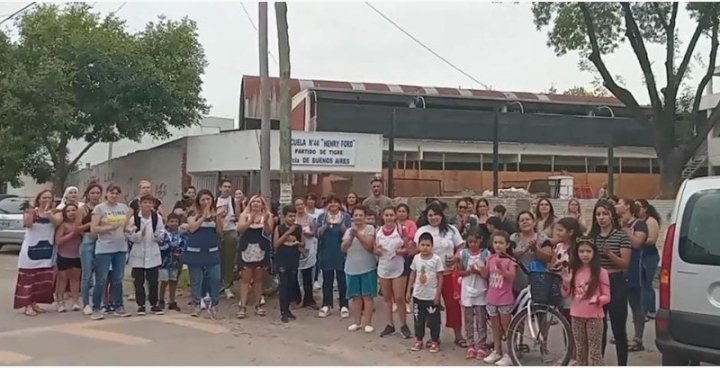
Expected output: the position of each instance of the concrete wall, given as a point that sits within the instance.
(161, 165)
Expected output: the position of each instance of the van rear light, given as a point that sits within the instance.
(665, 267)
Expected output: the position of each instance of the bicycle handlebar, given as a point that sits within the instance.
(514, 260)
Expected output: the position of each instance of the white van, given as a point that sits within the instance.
(688, 318)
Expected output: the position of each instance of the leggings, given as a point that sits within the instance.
(588, 335)
(476, 326)
(327, 287)
(453, 312)
(618, 312)
(634, 295)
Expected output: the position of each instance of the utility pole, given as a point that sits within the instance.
(391, 157)
(265, 101)
(496, 151)
(286, 176)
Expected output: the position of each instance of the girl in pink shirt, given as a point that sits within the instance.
(588, 285)
(500, 272)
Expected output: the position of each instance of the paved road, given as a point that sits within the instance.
(177, 339)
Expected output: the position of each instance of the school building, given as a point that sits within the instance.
(444, 136)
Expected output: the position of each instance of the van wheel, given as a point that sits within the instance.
(675, 360)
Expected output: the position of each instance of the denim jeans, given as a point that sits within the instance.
(199, 275)
(650, 260)
(102, 267)
(87, 260)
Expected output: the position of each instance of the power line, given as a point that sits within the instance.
(252, 23)
(426, 47)
(17, 12)
(120, 7)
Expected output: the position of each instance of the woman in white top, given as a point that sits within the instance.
(446, 241)
(308, 257)
(391, 246)
(37, 256)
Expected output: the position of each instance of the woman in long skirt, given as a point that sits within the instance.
(37, 254)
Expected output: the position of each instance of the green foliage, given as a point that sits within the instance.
(74, 75)
(597, 29)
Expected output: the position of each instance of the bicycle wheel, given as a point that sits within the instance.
(536, 339)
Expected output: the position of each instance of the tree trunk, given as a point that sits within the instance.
(671, 167)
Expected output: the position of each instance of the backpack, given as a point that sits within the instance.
(153, 218)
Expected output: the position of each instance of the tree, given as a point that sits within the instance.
(74, 76)
(598, 29)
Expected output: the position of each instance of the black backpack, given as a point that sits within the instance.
(153, 218)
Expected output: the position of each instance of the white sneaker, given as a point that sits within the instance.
(229, 294)
(317, 286)
(324, 312)
(61, 307)
(354, 327)
(344, 312)
(202, 304)
(369, 329)
(505, 361)
(492, 358)
(76, 307)
(87, 310)
(262, 301)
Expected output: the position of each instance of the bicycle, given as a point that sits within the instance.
(536, 318)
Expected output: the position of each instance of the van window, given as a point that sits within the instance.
(700, 232)
(13, 205)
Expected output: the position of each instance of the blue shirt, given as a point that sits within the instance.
(330, 254)
(172, 247)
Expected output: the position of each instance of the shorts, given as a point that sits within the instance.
(168, 274)
(365, 284)
(493, 310)
(406, 267)
(64, 264)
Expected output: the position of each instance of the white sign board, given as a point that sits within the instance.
(326, 150)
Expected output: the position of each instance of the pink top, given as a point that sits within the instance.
(589, 307)
(410, 228)
(500, 286)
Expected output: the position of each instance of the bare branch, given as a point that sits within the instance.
(636, 41)
(670, 50)
(688, 55)
(82, 152)
(710, 70)
(624, 95)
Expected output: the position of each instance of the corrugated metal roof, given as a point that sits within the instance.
(251, 86)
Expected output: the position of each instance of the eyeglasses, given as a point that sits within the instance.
(462, 207)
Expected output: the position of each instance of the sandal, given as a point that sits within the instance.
(636, 345)
(242, 312)
(30, 312)
(461, 343)
(37, 309)
(259, 311)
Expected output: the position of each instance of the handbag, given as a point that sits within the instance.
(545, 287)
(41, 251)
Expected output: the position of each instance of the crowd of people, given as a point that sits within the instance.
(465, 266)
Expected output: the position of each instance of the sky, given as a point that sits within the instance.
(496, 43)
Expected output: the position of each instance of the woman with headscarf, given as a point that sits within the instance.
(70, 196)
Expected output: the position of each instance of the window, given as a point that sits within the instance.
(13, 205)
(700, 232)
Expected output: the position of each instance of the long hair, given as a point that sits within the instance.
(650, 209)
(576, 264)
(572, 225)
(443, 226)
(204, 192)
(65, 209)
(37, 197)
(595, 229)
(551, 216)
(91, 186)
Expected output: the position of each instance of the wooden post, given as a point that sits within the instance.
(264, 101)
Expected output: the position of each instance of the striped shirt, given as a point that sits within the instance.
(615, 241)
